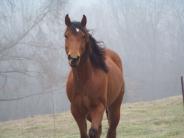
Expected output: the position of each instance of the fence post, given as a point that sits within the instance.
(182, 87)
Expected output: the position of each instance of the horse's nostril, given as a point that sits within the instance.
(69, 57)
(75, 58)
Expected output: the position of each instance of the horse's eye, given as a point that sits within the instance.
(66, 36)
(83, 36)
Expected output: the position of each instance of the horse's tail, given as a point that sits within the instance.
(115, 57)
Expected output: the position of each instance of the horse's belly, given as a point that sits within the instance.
(115, 82)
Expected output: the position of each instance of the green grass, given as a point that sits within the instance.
(156, 119)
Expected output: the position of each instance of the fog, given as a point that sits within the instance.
(148, 35)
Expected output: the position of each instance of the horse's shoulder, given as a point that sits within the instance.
(114, 57)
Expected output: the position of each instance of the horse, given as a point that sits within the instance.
(95, 83)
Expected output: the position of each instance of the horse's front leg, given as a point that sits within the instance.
(80, 118)
(96, 114)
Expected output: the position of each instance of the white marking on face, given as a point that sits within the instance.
(77, 29)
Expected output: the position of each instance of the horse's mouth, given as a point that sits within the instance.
(73, 63)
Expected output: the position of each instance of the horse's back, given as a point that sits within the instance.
(115, 76)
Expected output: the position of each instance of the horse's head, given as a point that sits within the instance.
(76, 38)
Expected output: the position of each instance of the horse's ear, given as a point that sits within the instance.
(84, 21)
(67, 20)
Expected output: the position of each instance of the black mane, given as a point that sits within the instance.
(97, 54)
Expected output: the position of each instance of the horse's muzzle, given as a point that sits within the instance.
(73, 60)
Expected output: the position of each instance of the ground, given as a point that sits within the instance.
(156, 119)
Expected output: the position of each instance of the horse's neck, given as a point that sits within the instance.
(83, 72)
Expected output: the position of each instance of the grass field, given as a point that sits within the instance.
(156, 119)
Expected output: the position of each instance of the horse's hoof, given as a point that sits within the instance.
(93, 133)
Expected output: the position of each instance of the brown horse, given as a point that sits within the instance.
(95, 83)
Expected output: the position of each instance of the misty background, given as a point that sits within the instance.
(148, 35)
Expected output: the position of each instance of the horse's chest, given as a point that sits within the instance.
(85, 95)
(82, 101)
